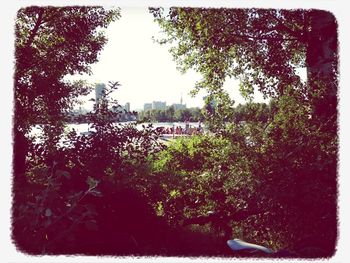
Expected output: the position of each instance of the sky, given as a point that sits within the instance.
(145, 69)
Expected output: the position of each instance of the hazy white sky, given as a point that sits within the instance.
(145, 69)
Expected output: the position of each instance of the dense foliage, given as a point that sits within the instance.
(89, 193)
(79, 193)
(47, 38)
(70, 197)
(55, 175)
(263, 48)
(291, 155)
(51, 43)
(265, 173)
(258, 181)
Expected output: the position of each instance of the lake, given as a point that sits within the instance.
(85, 127)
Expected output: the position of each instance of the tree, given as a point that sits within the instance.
(80, 201)
(264, 48)
(251, 112)
(50, 44)
(170, 113)
(196, 114)
(261, 47)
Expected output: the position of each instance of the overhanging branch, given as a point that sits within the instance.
(36, 28)
(264, 38)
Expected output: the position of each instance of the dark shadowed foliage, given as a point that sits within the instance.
(286, 157)
(264, 173)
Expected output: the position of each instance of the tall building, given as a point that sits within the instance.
(155, 105)
(158, 105)
(127, 106)
(99, 91)
(147, 106)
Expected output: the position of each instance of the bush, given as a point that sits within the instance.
(270, 183)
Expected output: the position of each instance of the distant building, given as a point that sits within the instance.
(99, 91)
(79, 111)
(124, 113)
(147, 106)
(179, 106)
(158, 105)
(155, 105)
(127, 106)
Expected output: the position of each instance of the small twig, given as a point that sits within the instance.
(73, 206)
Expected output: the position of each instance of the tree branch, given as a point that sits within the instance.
(36, 28)
(265, 38)
(282, 25)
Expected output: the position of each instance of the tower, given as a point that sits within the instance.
(127, 106)
(99, 91)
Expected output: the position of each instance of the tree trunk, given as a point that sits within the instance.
(322, 74)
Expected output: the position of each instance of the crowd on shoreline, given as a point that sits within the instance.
(178, 130)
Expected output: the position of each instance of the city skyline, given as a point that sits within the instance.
(162, 105)
(155, 104)
(145, 69)
(99, 90)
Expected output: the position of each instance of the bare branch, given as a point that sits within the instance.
(287, 29)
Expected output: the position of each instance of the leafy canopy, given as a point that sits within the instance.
(52, 42)
(263, 48)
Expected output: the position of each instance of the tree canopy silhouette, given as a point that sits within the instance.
(52, 42)
(292, 160)
(263, 48)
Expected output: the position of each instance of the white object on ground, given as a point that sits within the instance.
(237, 244)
